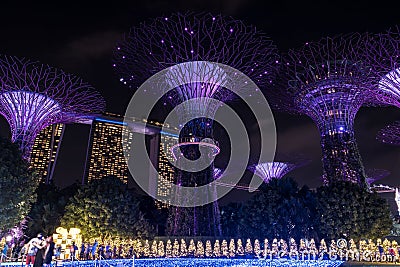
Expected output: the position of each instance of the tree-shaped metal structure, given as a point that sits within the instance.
(34, 96)
(382, 52)
(191, 46)
(390, 134)
(328, 81)
(282, 165)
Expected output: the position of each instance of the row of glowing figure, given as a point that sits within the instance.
(366, 250)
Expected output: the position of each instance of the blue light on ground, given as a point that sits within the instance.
(193, 262)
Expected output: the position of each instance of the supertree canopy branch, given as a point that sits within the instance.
(187, 37)
(390, 134)
(383, 53)
(282, 165)
(198, 84)
(329, 81)
(201, 41)
(34, 96)
(270, 170)
(192, 46)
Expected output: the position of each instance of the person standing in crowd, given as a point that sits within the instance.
(130, 253)
(94, 247)
(87, 251)
(82, 252)
(100, 253)
(73, 249)
(31, 250)
(107, 251)
(49, 252)
(114, 254)
(119, 256)
(4, 253)
(58, 252)
(41, 246)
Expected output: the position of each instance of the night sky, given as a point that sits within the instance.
(79, 38)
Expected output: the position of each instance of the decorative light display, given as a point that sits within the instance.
(279, 168)
(382, 52)
(328, 80)
(280, 253)
(191, 46)
(390, 134)
(206, 263)
(65, 238)
(34, 96)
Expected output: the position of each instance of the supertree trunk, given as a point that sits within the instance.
(341, 159)
(198, 220)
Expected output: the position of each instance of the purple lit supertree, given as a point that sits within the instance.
(383, 52)
(328, 81)
(191, 46)
(390, 134)
(278, 168)
(34, 96)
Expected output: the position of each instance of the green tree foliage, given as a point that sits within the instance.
(104, 209)
(349, 211)
(46, 213)
(230, 216)
(17, 186)
(279, 210)
(155, 216)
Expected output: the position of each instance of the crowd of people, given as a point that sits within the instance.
(39, 251)
(94, 251)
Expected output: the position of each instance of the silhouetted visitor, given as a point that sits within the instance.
(72, 251)
(49, 252)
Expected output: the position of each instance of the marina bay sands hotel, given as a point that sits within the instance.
(104, 155)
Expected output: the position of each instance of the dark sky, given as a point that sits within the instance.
(79, 38)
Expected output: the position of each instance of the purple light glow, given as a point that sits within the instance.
(390, 84)
(329, 80)
(218, 173)
(390, 134)
(188, 79)
(219, 39)
(282, 165)
(194, 38)
(270, 170)
(175, 149)
(382, 54)
(374, 175)
(34, 96)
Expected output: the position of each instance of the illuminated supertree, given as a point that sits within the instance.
(191, 46)
(328, 81)
(390, 134)
(278, 168)
(34, 96)
(383, 52)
